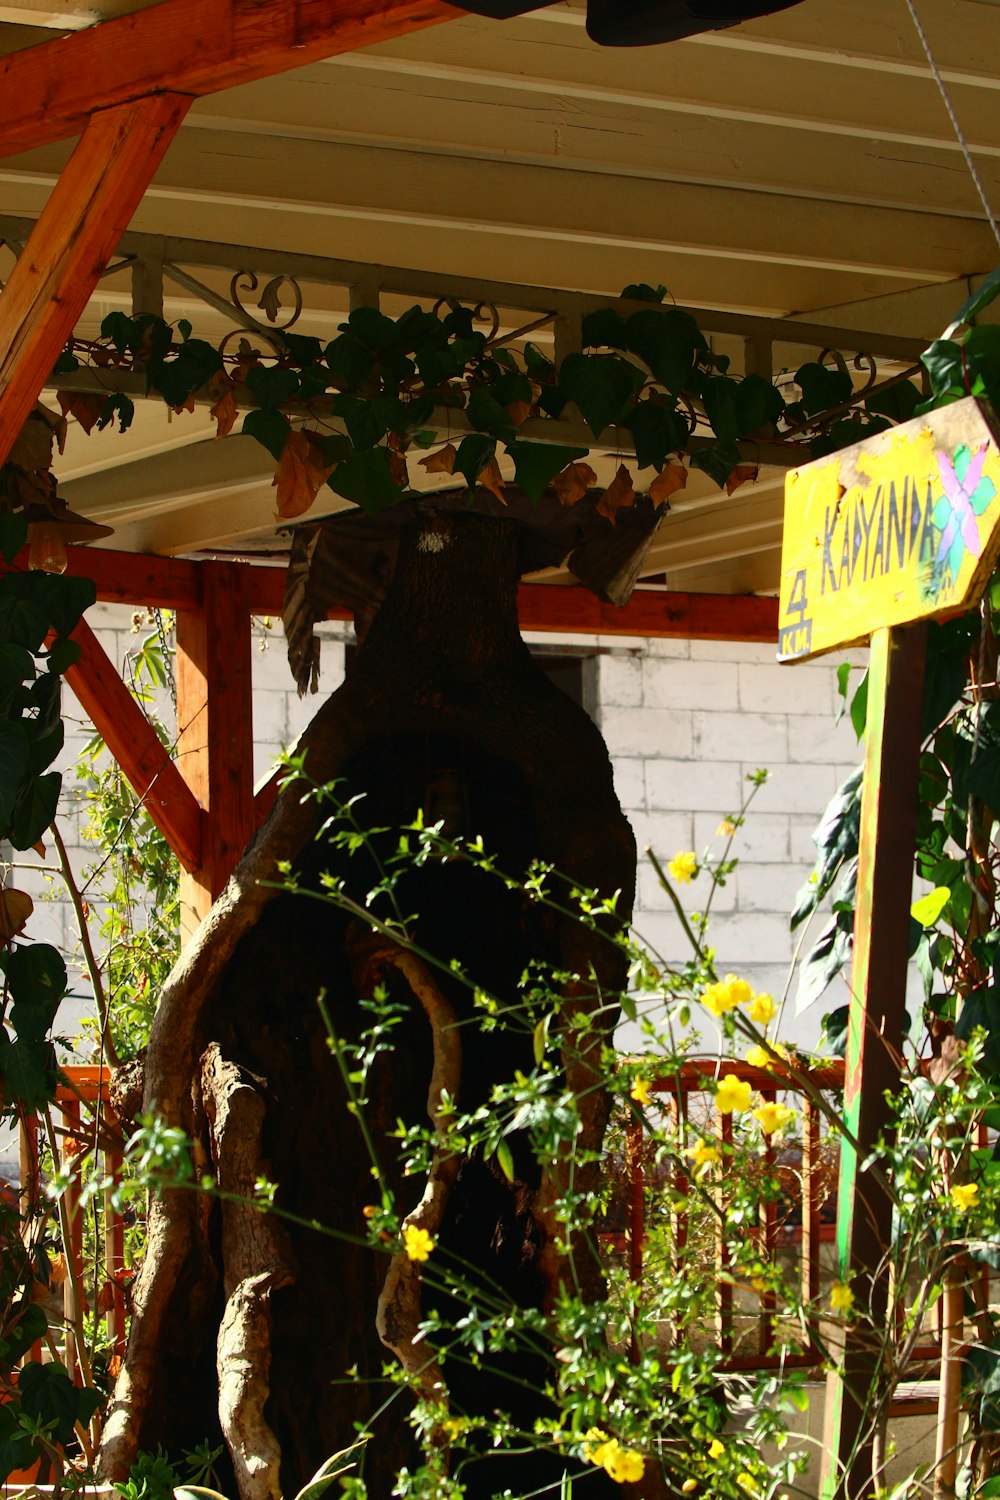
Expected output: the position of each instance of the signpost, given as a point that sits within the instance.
(878, 539)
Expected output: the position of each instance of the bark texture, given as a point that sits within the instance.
(277, 1337)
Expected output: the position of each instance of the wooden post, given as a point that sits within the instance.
(88, 211)
(875, 1036)
(215, 729)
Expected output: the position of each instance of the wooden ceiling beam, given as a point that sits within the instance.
(194, 47)
(73, 240)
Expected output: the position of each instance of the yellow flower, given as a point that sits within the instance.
(717, 999)
(841, 1297)
(716, 1449)
(732, 1095)
(762, 1009)
(624, 1465)
(703, 1155)
(417, 1243)
(594, 1443)
(640, 1092)
(726, 829)
(748, 1483)
(759, 1057)
(759, 1285)
(772, 1117)
(453, 1427)
(964, 1195)
(688, 1486)
(683, 867)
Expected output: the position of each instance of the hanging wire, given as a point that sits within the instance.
(963, 143)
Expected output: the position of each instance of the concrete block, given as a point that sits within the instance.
(763, 837)
(647, 732)
(762, 737)
(619, 681)
(802, 850)
(815, 737)
(664, 833)
(752, 938)
(734, 651)
(763, 887)
(694, 897)
(269, 663)
(795, 789)
(786, 690)
(692, 684)
(669, 648)
(661, 932)
(630, 782)
(693, 786)
(270, 718)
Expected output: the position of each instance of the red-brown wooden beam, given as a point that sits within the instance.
(215, 728)
(87, 213)
(49, 91)
(172, 583)
(133, 742)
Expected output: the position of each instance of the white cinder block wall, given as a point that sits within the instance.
(685, 722)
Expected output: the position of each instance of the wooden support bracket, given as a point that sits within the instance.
(131, 739)
(87, 213)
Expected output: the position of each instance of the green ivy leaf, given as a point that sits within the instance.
(822, 387)
(62, 654)
(603, 329)
(34, 969)
(719, 396)
(667, 342)
(943, 362)
(641, 291)
(48, 1394)
(22, 621)
(927, 910)
(825, 960)
(13, 535)
(350, 360)
(28, 1070)
(27, 1325)
(270, 428)
(505, 1160)
(980, 299)
(758, 404)
(372, 327)
(270, 385)
(474, 452)
(536, 464)
(600, 386)
(184, 372)
(35, 810)
(116, 405)
(366, 478)
(657, 431)
(15, 750)
(487, 415)
(718, 461)
(898, 402)
(16, 665)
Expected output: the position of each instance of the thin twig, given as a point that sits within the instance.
(93, 967)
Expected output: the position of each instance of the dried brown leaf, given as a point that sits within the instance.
(397, 467)
(491, 479)
(518, 411)
(57, 1270)
(441, 462)
(15, 909)
(86, 408)
(299, 474)
(573, 482)
(187, 405)
(742, 474)
(225, 413)
(671, 478)
(619, 493)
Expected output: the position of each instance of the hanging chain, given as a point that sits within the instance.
(963, 143)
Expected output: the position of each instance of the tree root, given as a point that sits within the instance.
(400, 1307)
(256, 1263)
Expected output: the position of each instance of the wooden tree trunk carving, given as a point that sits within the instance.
(259, 1328)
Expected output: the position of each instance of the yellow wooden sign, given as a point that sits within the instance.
(894, 529)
